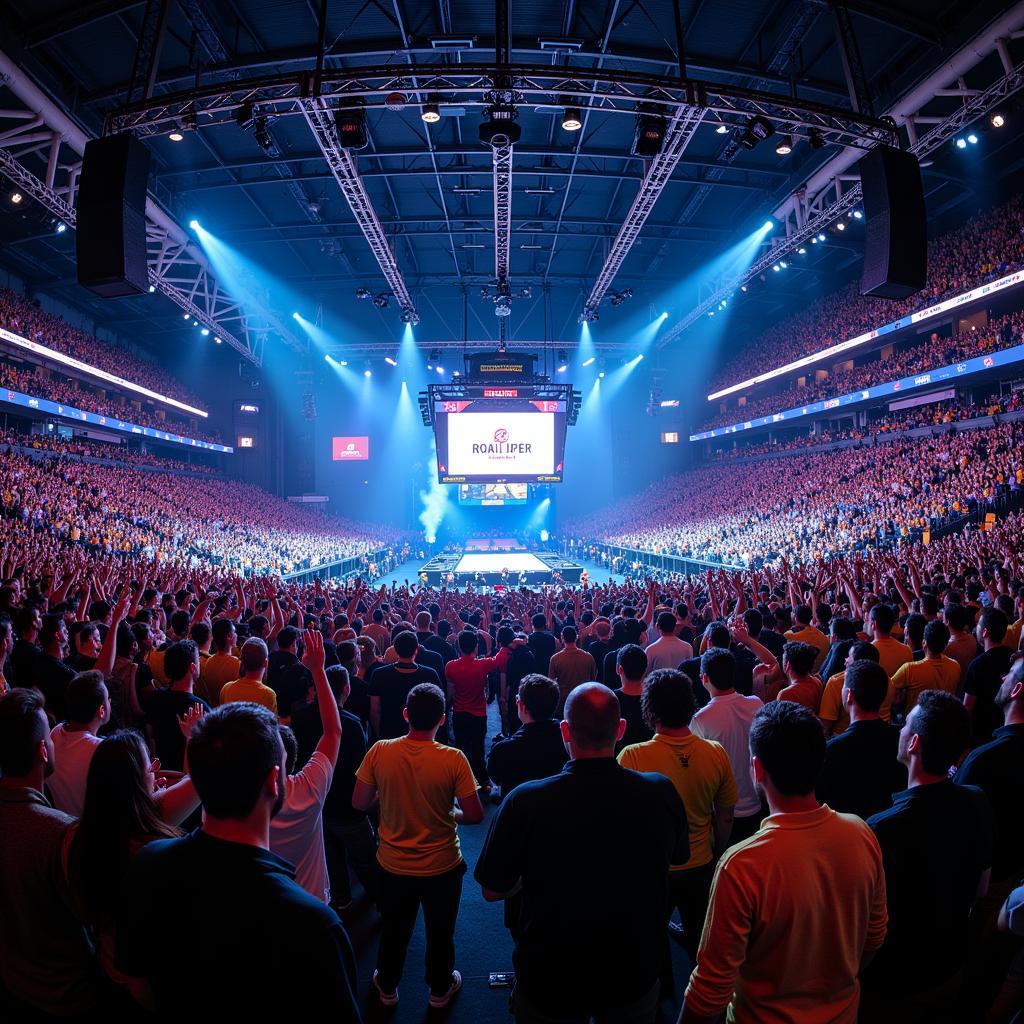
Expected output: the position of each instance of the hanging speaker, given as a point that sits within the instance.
(896, 229)
(111, 217)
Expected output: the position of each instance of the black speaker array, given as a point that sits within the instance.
(111, 211)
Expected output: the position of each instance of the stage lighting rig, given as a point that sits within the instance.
(756, 130)
(245, 116)
(261, 132)
(350, 122)
(502, 297)
(381, 300)
(649, 135)
(618, 298)
(500, 128)
(588, 316)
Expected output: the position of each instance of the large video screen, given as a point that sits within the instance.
(500, 440)
(493, 494)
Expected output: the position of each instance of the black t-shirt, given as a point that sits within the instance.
(997, 769)
(982, 681)
(251, 905)
(936, 841)
(773, 641)
(392, 683)
(163, 708)
(534, 751)
(22, 656)
(520, 664)
(51, 675)
(592, 938)
(598, 649)
(543, 645)
(636, 731)
(861, 771)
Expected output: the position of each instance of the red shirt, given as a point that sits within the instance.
(468, 677)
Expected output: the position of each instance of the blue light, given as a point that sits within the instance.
(367, 373)
(857, 214)
(205, 331)
(768, 225)
(972, 139)
(544, 535)
(961, 143)
(295, 316)
(601, 375)
(587, 362)
(562, 368)
(194, 224)
(61, 227)
(440, 369)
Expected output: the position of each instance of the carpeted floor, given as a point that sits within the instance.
(482, 946)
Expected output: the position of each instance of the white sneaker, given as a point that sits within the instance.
(439, 1002)
(387, 998)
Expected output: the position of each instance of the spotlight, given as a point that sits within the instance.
(649, 135)
(16, 197)
(217, 340)
(343, 362)
(571, 121)
(997, 120)
(784, 146)
(176, 135)
(562, 368)
(409, 316)
(802, 251)
(431, 113)
(350, 123)
(295, 316)
(857, 215)
(816, 139)
(783, 264)
(61, 227)
(587, 362)
(503, 306)
(776, 268)
(814, 240)
(264, 139)
(840, 226)
(395, 101)
(500, 128)
(601, 374)
(245, 116)
(821, 238)
(363, 293)
(440, 369)
(961, 143)
(152, 288)
(588, 316)
(381, 300)
(756, 130)
(187, 316)
(722, 129)
(561, 356)
(743, 287)
(769, 225)
(390, 361)
(972, 139)
(367, 369)
(194, 224)
(205, 332)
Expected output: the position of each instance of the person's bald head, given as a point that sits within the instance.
(593, 721)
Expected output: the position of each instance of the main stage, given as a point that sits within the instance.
(492, 568)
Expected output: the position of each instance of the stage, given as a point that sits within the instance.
(489, 569)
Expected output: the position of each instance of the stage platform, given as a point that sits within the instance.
(487, 569)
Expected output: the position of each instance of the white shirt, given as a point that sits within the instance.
(668, 652)
(297, 832)
(727, 719)
(72, 752)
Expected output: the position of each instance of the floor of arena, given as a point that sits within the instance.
(599, 575)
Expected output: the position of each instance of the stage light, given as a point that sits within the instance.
(363, 293)
(205, 332)
(840, 226)
(187, 316)
(295, 316)
(343, 362)
(601, 374)
(381, 301)
(217, 340)
(367, 373)
(176, 135)
(816, 139)
(562, 368)
(245, 116)
(390, 361)
(757, 129)
(961, 143)
(544, 535)
(997, 120)
(776, 268)
(972, 139)
(814, 240)
(649, 135)
(152, 288)
(784, 146)
(783, 264)
(431, 113)
(587, 362)
(264, 139)
(571, 119)
(801, 251)
(395, 101)
(350, 123)
(61, 227)
(769, 225)
(743, 287)
(562, 356)
(440, 369)
(821, 238)
(16, 197)
(722, 129)
(409, 316)
(711, 312)
(857, 215)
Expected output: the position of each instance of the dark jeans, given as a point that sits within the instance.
(351, 844)
(400, 900)
(470, 733)
(689, 891)
(640, 1011)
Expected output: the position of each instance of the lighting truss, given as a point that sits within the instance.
(501, 156)
(812, 215)
(320, 119)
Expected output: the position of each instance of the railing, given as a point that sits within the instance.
(652, 560)
(341, 569)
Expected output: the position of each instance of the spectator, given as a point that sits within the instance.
(668, 651)
(936, 838)
(541, 643)
(804, 687)
(833, 713)
(250, 686)
(892, 654)
(934, 672)
(861, 769)
(391, 686)
(631, 667)
(166, 708)
(75, 741)
(222, 666)
(773, 947)
(985, 675)
(598, 816)
(806, 633)
(570, 667)
(417, 780)
(50, 673)
(237, 761)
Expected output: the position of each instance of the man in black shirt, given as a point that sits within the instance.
(541, 643)
(631, 667)
(607, 673)
(50, 673)
(520, 664)
(390, 688)
(165, 707)
(597, 646)
(535, 750)
(574, 956)
(985, 675)
(429, 640)
(27, 623)
(936, 844)
(862, 769)
(289, 680)
(237, 763)
(769, 638)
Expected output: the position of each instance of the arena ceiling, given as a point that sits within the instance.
(431, 185)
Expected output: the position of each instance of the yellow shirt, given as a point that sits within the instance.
(778, 945)
(217, 670)
(700, 771)
(931, 674)
(155, 661)
(1012, 638)
(834, 710)
(892, 654)
(418, 783)
(250, 690)
(814, 637)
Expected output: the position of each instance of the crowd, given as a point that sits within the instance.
(847, 499)
(110, 403)
(810, 775)
(917, 357)
(986, 247)
(21, 316)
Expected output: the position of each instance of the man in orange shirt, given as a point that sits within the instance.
(798, 663)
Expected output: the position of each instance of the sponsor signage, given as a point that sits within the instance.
(350, 449)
